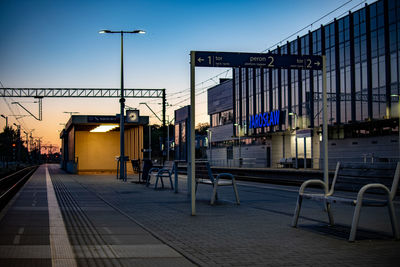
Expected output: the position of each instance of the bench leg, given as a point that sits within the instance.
(236, 193)
(214, 193)
(297, 211)
(354, 224)
(148, 180)
(155, 186)
(393, 219)
(330, 215)
(162, 182)
(170, 180)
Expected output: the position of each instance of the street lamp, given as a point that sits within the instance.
(240, 148)
(18, 141)
(5, 117)
(122, 100)
(295, 128)
(398, 127)
(27, 140)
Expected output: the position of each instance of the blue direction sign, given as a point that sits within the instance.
(256, 60)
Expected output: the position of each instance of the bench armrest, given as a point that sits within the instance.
(363, 189)
(311, 182)
(163, 170)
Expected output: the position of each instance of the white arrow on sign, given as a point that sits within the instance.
(200, 59)
(317, 63)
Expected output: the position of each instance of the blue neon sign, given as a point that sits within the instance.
(265, 119)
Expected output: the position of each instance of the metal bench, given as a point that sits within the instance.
(360, 177)
(204, 175)
(166, 171)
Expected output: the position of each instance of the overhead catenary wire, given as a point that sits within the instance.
(183, 95)
(23, 124)
(308, 26)
(187, 92)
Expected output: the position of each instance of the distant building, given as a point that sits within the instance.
(277, 113)
(182, 135)
(220, 133)
(86, 151)
(182, 132)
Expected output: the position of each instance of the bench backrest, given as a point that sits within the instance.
(170, 165)
(203, 170)
(353, 176)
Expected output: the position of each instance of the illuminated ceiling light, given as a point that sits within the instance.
(104, 128)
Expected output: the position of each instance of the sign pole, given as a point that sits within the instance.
(192, 163)
(325, 124)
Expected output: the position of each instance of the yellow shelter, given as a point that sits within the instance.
(86, 148)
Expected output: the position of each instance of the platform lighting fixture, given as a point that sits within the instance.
(104, 128)
(122, 99)
(135, 31)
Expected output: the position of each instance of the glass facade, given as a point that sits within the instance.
(222, 118)
(360, 65)
(363, 60)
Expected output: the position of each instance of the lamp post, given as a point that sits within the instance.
(27, 140)
(295, 128)
(149, 141)
(18, 141)
(240, 148)
(168, 139)
(122, 101)
(5, 117)
(398, 127)
(209, 144)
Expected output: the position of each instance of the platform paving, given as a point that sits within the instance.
(113, 223)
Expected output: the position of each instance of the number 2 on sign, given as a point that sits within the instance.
(271, 63)
(308, 63)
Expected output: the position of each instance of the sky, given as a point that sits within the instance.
(56, 44)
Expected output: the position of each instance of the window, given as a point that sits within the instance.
(222, 118)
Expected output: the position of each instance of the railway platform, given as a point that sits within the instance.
(59, 219)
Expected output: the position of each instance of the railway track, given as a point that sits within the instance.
(10, 184)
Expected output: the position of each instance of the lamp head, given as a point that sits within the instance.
(105, 31)
(139, 31)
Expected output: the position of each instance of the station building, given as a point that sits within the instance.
(182, 135)
(86, 148)
(273, 117)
